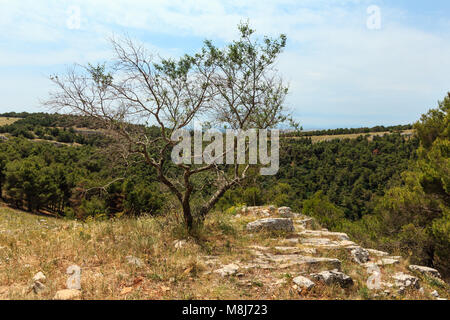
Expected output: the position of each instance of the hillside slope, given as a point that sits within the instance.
(152, 258)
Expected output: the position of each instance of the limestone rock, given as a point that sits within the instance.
(271, 224)
(333, 277)
(405, 280)
(228, 270)
(67, 294)
(307, 223)
(435, 294)
(285, 212)
(387, 261)
(360, 255)
(303, 283)
(425, 270)
(324, 234)
(39, 277)
(377, 253)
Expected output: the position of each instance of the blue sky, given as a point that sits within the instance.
(341, 72)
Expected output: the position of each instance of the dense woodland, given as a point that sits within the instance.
(390, 191)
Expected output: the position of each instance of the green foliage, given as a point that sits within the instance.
(326, 213)
(413, 216)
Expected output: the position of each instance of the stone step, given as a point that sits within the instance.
(324, 234)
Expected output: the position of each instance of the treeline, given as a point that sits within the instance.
(350, 172)
(364, 130)
(74, 182)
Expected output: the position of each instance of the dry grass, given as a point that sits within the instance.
(31, 243)
(5, 121)
(316, 139)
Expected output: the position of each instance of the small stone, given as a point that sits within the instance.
(67, 294)
(303, 283)
(39, 277)
(228, 270)
(333, 277)
(421, 290)
(435, 294)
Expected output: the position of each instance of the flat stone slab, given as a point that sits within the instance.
(326, 243)
(324, 234)
(387, 261)
(289, 260)
(271, 224)
(377, 253)
(228, 270)
(425, 270)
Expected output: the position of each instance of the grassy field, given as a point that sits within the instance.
(316, 139)
(5, 121)
(31, 243)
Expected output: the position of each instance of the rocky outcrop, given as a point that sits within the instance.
(271, 224)
(285, 212)
(425, 270)
(405, 280)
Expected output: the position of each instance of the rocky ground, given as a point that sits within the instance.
(246, 253)
(311, 254)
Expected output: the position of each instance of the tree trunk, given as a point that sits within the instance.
(187, 214)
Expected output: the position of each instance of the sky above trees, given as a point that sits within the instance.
(342, 73)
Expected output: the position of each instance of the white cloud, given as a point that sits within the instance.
(335, 65)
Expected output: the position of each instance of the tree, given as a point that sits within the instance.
(236, 87)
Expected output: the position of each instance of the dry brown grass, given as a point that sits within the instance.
(5, 121)
(31, 243)
(316, 139)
